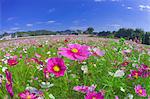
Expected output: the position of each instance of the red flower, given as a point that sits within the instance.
(135, 73)
(125, 63)
(12, 62)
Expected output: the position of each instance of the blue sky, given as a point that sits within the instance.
(24, 15)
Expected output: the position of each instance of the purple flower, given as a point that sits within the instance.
(84, 89)
(140, 91)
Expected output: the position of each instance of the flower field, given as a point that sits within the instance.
(74, 67)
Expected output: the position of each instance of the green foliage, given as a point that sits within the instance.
(89, 30)
(146, 38)
(98, 68)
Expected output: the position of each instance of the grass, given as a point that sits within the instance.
(98, 68)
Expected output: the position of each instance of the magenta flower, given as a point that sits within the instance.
(9, 83)
(84, 89)
(56, 66)
(94, 95)
(75, 52)
(135, 74)
(12, 62)
(140, 91)
(27, 95)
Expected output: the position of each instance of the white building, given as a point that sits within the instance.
(8, 37)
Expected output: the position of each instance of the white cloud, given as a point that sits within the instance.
(29, 25)
(144, 7)
(129, 8)
(51, 21)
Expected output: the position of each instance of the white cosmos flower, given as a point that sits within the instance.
(119, 73)
(84, 68)
(3, 69)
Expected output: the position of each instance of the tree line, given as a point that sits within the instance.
(137, 35)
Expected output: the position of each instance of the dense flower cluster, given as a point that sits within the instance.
(44, 69)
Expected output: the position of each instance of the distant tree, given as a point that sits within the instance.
(79, 31)
(125, 33)
(139, 33)
(90, 30)
(146, 38)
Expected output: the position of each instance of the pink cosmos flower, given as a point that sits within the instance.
(46, 73)
(9, 83)
(94, 95)
(15, 57)
(27, 95)
(140, 91)
(20, 56)
(56, 66)
(98, 52)
(37, 55)
(12, 62)
(1, 79)
(116, 97)
(84, 89)
(7, 55)
(35, 60)
(145, 71)
(75, 52)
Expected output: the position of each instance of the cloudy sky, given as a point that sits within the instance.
(24, 15)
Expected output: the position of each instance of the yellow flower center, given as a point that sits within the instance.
(28, 97)
(136, 75)
(140, 91)
(74, 50)
(56, 68)
(93, 97)
(8, 82)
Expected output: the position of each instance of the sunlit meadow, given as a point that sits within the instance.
(74, 67)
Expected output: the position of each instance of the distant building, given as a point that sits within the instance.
(6, 37)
